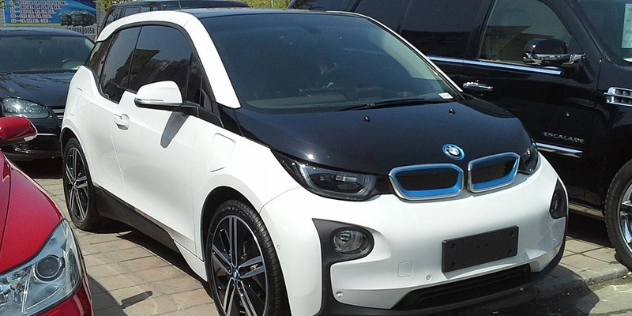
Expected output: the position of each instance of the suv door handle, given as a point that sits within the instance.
(122, 121)
(479, 87)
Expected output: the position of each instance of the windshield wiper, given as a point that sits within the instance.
(394, 103)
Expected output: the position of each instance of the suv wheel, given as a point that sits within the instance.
(618, 214)
(78, 188)
(244, 272)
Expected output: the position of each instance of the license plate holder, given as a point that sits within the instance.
(464, 252)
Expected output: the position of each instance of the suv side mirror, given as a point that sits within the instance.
(550, 52)
(163, 95)
(15, 129)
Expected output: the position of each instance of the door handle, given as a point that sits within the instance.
(479, 87)
(122, 121)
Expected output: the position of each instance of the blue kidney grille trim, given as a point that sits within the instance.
(497, 172)
(425, 174)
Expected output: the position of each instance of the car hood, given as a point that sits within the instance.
(377, 140)
(27, 217)
(48, 89)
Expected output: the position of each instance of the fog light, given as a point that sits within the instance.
(350, 241)
(22, 146)
(559, 202)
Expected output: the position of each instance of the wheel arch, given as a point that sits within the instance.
(213, 200)
(618, 154)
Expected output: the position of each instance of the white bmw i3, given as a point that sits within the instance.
(307, 163)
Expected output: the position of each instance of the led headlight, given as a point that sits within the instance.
(327, 182)
(529, 160)
(24, 108)
(50, 277)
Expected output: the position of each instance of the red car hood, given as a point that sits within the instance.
(27, 216)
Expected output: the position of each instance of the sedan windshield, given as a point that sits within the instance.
(612, 22)
(308, 61)
(34, 54)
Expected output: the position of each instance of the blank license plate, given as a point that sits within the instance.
(469, 251)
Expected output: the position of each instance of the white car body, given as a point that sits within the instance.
(166, 165)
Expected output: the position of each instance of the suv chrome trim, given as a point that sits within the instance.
(559, 150)
(540, 70)
(494, 183)
(420, 195)
(619, 96)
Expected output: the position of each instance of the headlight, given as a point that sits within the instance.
(52, 276)
(529, 160)
(329, 183)
(19, 107)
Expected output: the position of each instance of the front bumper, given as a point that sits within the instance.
(406, 259)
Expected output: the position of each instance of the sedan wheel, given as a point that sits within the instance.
(78, 188)
(244, 271)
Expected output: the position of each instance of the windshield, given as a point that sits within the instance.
(32, 54)
(612, 21)
(308, 61)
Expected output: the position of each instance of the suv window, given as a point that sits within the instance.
(162, 53)
(427, 28)
(97, 56)
(514, 23)
(390, 14)
(115, 75)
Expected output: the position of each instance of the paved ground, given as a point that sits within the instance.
(130, 274)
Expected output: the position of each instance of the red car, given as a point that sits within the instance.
(41, 268)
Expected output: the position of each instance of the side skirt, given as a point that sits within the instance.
(114, 208)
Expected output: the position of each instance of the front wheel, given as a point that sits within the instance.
(78, 189)
(244, 272)
(618, 213)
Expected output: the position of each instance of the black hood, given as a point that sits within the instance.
(378, 140)
(49, 89)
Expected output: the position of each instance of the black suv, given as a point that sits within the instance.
(562, 66)
(123, 9)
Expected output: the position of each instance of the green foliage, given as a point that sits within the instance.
(105, 4)
(268, 3)
(1, 4)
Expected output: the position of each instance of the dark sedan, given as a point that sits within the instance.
(35, 70)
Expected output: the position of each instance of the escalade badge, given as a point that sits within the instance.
(453, 151)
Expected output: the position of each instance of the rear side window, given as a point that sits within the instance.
(324, 5)
(390, 14)
(115, 75)
(441, 27)
(97, 56)
(162, 54)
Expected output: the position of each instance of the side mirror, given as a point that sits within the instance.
(550, 52)
(163, 95)
(15, 129)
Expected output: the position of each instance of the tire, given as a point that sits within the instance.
(618, 214)
(78, 188)
(249, 281)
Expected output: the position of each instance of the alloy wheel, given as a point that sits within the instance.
(238, 269)
(76, 184)
(625, 214)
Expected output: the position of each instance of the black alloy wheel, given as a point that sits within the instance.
(618, 214)
(244, 273)
(78, 188)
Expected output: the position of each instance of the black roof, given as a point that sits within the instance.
(183, 3)
(34, 31)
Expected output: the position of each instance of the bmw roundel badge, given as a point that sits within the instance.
(453, 151)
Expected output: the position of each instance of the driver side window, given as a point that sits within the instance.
(514, 23)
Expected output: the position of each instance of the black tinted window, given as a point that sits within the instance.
(162, 53)
(441, 27)
(97, 56)
(115, 73)
(339, 5)
(131, 10)
(390, 13)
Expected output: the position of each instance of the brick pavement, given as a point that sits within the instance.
(130, 274)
